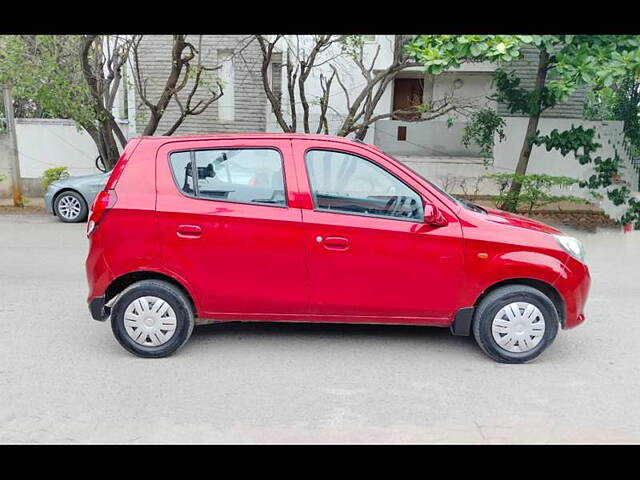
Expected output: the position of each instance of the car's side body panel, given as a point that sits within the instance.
(245, 258)
(242, 261)
(392, 268)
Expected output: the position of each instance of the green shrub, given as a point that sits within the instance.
(535, 190)
(50, 175)
(482, 128)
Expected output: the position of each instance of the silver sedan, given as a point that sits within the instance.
(70, 198)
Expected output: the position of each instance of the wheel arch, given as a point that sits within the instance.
(544, 287)
(123, 281)
(63, 190)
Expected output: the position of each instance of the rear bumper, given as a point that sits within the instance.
(98, 311)
(99, 277)
(574, 284)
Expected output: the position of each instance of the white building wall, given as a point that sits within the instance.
(47, 143)
(444, 169)
(476, 82)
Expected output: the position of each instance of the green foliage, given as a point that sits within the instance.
(351, 44)
(571, 140)
(441, 52)
(535, 190)
(45, 71)
(599, 59)
(606, 171)
(632, 215)
(520, 100)
(50, 175)
(619, 102)
(481, 129)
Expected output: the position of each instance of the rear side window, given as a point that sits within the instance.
(181, 167)
(249, 175)
(345, 183)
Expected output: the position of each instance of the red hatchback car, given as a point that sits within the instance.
(314, 228)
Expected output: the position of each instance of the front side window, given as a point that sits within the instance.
(249, 175)
(342, 182)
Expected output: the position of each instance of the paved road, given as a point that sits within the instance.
(63, 377)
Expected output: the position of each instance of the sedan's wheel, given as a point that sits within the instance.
(152, 318)
(70, 207)
(515, 323)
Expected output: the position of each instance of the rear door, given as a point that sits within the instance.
(230, 231)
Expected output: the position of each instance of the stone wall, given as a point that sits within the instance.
(249, 102)
(526, 69)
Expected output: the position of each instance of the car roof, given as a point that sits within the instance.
(247, 135)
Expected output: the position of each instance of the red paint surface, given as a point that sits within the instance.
(260, 262)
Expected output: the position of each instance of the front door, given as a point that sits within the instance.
(371, 257)
(407, 96)
(231, 233)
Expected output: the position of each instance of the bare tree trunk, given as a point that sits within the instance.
(511, 203)
(103, 135)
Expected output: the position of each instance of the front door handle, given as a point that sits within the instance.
(336, 243)
(189, 231)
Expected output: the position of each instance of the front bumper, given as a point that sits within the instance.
(574, 284)
(48, 199)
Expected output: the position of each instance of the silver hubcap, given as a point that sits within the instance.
(518, 327)
(69, 207)
(150, 321)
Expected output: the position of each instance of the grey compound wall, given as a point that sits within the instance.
(249, 102)
(526, 69)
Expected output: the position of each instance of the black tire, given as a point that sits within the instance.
(185, 318)
(82, 214)
(496, 300)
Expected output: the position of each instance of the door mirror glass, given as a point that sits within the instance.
(433, 216)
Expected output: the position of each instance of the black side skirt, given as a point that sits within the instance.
(461, 324)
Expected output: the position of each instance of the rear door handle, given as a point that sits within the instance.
(189, 231)
(336, 243)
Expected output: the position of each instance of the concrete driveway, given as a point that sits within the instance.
(63, 377)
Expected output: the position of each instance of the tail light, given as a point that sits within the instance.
(105, 200)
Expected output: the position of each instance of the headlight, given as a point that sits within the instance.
(572, 246)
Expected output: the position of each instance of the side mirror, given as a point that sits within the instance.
(433, 216)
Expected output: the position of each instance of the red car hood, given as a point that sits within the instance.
(506, 218)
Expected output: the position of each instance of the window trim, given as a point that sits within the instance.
(192, 159)
(357, 214)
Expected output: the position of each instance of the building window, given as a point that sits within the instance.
(276, 74)
(226, 103)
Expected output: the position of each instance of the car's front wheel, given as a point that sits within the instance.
(70, 207)
(152, 318)
(515, 323)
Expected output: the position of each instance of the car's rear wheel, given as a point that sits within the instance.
(515, 323)
(70, 207)
(152, 318)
